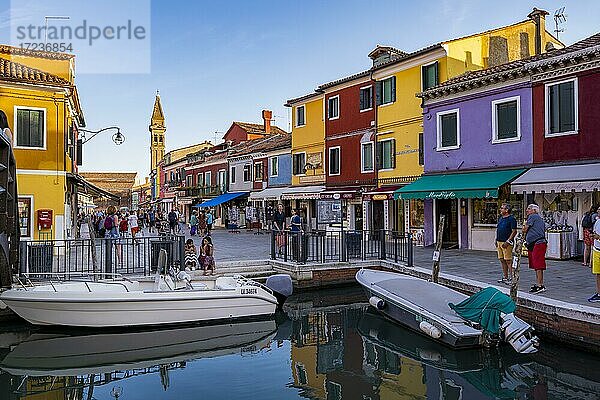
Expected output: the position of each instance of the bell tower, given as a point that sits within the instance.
(157, 130)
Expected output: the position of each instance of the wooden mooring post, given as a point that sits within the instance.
(437, 250)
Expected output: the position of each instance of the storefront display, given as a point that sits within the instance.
(416, 212)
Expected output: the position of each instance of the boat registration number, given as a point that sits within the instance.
(249, 291)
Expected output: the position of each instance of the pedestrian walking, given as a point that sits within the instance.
(535, 239)
(587, 226)
(596, 257)
(202, 223)
(506, 230)
(151, 220)
(296, 230)
(209, 221)
(173, 222)
(193, 223)
(133, 225)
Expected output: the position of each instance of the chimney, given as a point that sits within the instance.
(267, 115)
(539, 18)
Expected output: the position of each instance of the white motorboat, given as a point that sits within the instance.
(59, 354)
(425, 307)
(123, 302)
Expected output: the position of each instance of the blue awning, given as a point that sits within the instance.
(224, 198)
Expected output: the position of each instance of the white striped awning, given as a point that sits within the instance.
(302, 192)
(272, 193)
(559, 178)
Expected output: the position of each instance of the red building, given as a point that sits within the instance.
(349, 143)
(565, 180)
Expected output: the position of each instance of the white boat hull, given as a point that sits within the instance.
(133, 308)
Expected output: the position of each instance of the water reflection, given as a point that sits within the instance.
(328, 345)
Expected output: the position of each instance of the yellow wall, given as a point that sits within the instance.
(307, 357)
(402, 119)
(310, 138)
(409, 384)
(48, 192)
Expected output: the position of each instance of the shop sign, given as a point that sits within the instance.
(380, 197)
(337, 196)
(442, 195)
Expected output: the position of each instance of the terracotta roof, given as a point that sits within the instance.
(316, 93)
(18, 51)
(583, 48)
(12, 71)
(408, 56)
(113, 182)
(344, 80)
(258, 129)
(176, 155)
(270, 143)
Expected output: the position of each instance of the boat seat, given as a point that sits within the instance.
(225, 282)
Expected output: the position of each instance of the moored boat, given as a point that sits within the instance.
(122, 302)
(424, 307)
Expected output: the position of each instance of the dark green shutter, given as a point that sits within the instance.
(421, 153)
(567, 106)
(393, 153)
(79, 155)
(393, 89)
(379, 92)
(379, 155)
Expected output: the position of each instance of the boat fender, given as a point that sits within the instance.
(431, 330)
(429, 355)
(377, 302)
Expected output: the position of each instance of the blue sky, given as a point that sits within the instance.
(218, 62)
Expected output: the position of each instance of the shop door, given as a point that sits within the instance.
(358, 217)
(377, 220)
(449, 208)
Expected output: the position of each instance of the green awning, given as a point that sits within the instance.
(464, 185)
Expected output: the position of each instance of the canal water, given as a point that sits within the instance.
(325, 345)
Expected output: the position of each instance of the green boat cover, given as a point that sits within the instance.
(484, 307)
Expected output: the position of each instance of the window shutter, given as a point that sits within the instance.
(79, 155)
(437, 76)
(421, 152)
(393, 153)
(378, 91)
(393, 89)
(362, 99)
(378, 155)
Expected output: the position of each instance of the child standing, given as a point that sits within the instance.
(190, 255)
(209, 259)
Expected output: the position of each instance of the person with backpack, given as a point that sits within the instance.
(587, 225)
(110, 223)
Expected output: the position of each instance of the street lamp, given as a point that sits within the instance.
(118, 137)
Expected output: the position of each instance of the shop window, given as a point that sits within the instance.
(487, 211)
(31, 127)
(300, 116)
(448, 130)
(561, 108)
(258, 171)
(506, 125)
(417, 213)
(24, 205)
(429, 75)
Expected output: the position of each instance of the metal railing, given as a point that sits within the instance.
(341, 246)
(126, 256)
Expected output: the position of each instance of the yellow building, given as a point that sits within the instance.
(308, 147)
(400, 76)
(40, 100)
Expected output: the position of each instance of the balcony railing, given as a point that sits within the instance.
(203, 191)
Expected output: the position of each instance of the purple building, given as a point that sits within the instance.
(477, 138)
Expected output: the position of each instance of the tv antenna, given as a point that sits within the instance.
(559, 18)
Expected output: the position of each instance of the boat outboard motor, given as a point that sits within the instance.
(518, 333)
(281, 285)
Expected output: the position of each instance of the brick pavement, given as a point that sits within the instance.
(566, 280)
